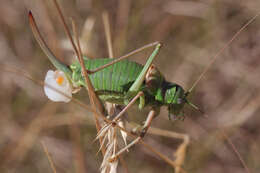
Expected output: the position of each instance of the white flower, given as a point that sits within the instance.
(57, 87)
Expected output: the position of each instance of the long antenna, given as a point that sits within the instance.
(221, 51)
(194, 106)
(207, 68)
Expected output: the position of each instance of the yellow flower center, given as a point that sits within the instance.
(60, 80)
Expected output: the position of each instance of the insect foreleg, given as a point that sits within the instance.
(145, 127)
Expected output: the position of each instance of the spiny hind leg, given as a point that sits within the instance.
(180, 153)
(145, 128)
(157, 44)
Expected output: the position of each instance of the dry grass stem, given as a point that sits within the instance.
(49, 157)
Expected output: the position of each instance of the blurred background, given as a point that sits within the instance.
(192, 32)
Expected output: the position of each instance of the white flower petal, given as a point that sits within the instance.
(57, 92)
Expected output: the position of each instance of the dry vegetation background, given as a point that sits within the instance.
(191, 31)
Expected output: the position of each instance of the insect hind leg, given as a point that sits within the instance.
(124, 57)
(146, 126)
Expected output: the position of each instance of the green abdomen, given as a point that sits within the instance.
(115, 78)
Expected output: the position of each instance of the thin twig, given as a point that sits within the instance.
(92, 95)
(108, 34)
(90, 89)
(98, 126)
(49, 157)
(235, 150)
